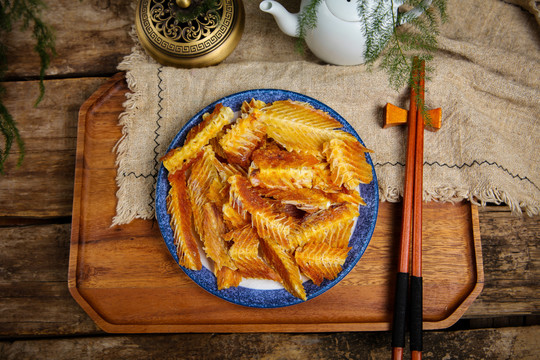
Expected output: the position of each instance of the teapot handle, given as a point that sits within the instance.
(414, 13)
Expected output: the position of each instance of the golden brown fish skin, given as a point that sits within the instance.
(302, 112)
(323, 180)
(203, 181)
(347, 196)
(248, 107)
(332, 226)
(226, 277)
(243, 197)
(299, 127)
(306, 199)
(281, 169)
(269, 224)
(212, 237)
(282, 261)
(319, 261)
(288, 209)
(245, 254)
(233, 219)
(179, 208)
(348, 164)
(226, 170)
(242, 138)
(276, 158)
(220, 117)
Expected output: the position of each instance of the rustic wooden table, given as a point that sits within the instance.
(40, 319)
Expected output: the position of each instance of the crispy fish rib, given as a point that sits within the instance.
(213, 243)
(220, 117)
(179, 208)
(319, 261)
(350, 196)
(248, 107)
(302, 113)
(204, 185)
(280, 169)
(309, 200)
(299, 127)
(227, 277)
(348, 164)
(245, 254)
(226, 170)
(233, 219)
(283, 263)
(242, 138)
(332, 226)
(269, 224)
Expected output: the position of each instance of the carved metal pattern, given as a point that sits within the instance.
(158, 19)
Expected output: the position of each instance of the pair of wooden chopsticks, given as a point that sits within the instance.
(411, 224)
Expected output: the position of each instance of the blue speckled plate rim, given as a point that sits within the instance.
(269, 298)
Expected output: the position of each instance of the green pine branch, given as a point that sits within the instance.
(307, 20)
(26, 14)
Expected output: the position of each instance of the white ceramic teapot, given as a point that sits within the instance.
(339, 36)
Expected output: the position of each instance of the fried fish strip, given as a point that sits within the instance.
(269, 224)
(204, 185)
(233, 220)
(220, 117)
(299, 127)
(345, 195)
(212, 237)
(227, 277)
(248, 107)
(242, 138)
(283, 263)
(280, 169)
(179, 208)
(245, 254)
(348, 164)
(332, 226)
(319, 261)
(309, 200)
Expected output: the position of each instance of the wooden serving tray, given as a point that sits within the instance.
(126, 280)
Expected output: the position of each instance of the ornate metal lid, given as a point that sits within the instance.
(203, 41)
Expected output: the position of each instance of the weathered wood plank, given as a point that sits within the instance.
(34, 298)
(505, 343)
(511, 254)
(43, 185)
(92, 37)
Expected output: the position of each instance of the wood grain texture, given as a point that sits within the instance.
(34, 298)
(512, 262)
(495, 344)
(43, 186)
(92, 37)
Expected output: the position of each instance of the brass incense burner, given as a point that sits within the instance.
(205, 40)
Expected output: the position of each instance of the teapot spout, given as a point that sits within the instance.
(287, 22)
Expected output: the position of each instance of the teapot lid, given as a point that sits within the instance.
(202, 41)
(346, 10)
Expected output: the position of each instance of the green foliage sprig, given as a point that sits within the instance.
(26, 15)
(307, 19)
(391, 42)
(195, 10)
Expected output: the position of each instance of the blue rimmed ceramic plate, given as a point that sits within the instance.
(266, 293)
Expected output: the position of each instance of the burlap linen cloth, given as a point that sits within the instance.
(486, 80)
